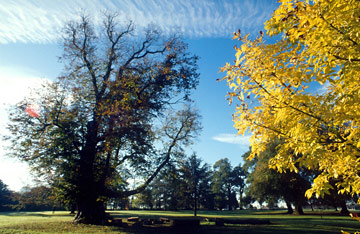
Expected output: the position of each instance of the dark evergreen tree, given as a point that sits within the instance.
(6, 197)
(226, 180)
(196, 178)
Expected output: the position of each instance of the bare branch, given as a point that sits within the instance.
(188, 125)
(114, 38)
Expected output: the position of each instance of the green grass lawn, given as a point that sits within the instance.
(60, 222)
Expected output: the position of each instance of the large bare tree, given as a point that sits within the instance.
(105, 116)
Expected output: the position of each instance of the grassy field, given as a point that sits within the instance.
(60, 222)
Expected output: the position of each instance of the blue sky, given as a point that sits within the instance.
(30, 44)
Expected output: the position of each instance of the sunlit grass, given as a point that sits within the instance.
(47, 223)
(61, 222)
(14, 218)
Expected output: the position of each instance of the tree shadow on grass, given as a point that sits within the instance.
(231, 229)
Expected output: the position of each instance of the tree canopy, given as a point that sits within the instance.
(35, 199)
(225, 181)
(111, 115)
(5, 197)
(195, 183)
(268, 185)
(318, 43)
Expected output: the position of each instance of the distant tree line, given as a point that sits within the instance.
(189, 183)
(266, 185)
(186, 183)
(192, 184)
(37, 198)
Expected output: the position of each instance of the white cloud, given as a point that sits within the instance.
(233, 139)
(13, 173)
(323, 88)
(15, 84)
(39, 21)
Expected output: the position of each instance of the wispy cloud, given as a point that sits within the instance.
(324, 88)
(16, 83)
(233, 139)
(39, 21)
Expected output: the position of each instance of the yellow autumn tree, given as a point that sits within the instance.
(318, 43)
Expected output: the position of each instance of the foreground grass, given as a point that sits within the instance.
(44, 222)
(61, 222)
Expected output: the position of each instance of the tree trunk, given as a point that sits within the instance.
(299, 209)
(90, 208)
(312, 207)
(195, 204)
(241, 200)
(344, 209)
(289, 207)
(90, 211)
(229, 197)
